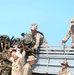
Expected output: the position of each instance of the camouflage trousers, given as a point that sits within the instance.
(5, 72)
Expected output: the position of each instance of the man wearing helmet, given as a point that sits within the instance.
(70, 33)
(38, 36)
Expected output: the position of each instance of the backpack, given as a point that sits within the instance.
(4, 41)
(40, 33)
(4, 37)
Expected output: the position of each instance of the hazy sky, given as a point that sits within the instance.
(51, 16)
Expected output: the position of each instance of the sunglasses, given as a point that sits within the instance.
(72, 21)
(64, 64)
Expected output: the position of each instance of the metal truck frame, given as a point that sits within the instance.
(49, 59)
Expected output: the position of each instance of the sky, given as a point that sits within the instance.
(51, 16)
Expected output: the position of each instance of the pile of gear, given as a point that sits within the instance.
(25, 43)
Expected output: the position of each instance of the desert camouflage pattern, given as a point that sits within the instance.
(27, 69)
(39, 40)
(70, 32)
(6, 43)
(64, 72)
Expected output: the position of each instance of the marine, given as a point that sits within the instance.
(70, 33)
(64, 70)
(38, 37)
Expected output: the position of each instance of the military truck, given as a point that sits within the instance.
(49, 59)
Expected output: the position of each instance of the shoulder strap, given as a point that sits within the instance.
(40, 33)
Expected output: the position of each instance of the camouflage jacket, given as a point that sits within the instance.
(70, 33)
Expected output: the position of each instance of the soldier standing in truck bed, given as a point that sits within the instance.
(38, 37)
(70, 33)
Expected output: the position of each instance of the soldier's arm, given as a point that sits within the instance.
(22, 59)
(9, 56)
(11, 59)
(67, 36)
(11, 49)
(9, 53)
(23, 54)
(38, 38)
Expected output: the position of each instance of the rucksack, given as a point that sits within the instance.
(4, 37)
(4, 41)
(40, 33)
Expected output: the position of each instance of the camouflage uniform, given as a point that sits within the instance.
(39, 40)
(70, 32)
(38, 36)
(64, 70)
(27, 69)
(17, 64)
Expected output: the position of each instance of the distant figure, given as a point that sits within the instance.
(64, 70)
(70, 33)
(38, 37)
(27, 69)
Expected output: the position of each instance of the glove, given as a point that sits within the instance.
(72, 45)
(29, 49)
(63, 41)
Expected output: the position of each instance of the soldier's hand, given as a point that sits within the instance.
(72, 45)
(63, 41)
(29, 49)
(11, 49)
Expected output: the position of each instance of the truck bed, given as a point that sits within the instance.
(49, 59)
